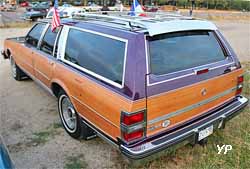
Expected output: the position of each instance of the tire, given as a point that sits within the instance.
(70, 119)
(17, 73)
(34, 19)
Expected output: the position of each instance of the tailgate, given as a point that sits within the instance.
(189, 73)
(171, 108)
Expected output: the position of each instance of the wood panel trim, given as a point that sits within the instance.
(191, 107)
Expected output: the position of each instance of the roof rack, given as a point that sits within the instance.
(131, 22)
(154, 23)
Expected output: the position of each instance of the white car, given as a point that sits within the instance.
(65, 12)
(92, 7)
(116, 7)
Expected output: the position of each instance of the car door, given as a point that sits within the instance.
(29, 48)
(44, 60)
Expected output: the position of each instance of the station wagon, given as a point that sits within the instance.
(143, 84)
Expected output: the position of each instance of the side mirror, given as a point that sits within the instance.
(26, 38)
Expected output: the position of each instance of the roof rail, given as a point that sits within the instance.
(153, 23)
(131, 22)
(128, 22)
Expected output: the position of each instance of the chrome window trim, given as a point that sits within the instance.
(38, 43)
(178, 77)
(89, 71)
(56, 40)
(62, 42)
(42, 35)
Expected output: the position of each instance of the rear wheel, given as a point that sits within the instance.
(70, 119)
(16, 72)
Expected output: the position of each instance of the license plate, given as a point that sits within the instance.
(205, 133)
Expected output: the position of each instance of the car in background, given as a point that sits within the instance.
(116, 7)
(78, 3)
(92, 7)
(65, 4)
(34, 15)
(24, 4)
(39, 7)
(5, 160)
(65, 12)
(7, 7)
(32, 4)
(150, 8)
(37, 11)
(3, 7)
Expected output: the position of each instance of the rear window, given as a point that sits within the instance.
(178, 51)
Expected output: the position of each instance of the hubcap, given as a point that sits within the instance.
(68, 113)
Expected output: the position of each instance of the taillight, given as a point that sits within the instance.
(128, 120)
(133, 125)
(240, 81)
(133, 136)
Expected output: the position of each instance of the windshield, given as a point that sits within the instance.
(178, 51)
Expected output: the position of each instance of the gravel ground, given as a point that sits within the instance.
(30, 124)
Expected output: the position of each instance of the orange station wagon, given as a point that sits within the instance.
(143, 84)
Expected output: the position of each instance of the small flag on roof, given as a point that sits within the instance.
(56, 18)
(135, 8)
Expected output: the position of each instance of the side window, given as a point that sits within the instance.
(48, 41)
(34, 35)
(98, 55)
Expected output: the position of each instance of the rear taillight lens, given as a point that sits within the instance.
(133, 126)
(136, 118)
(133, 136)
(240, 81)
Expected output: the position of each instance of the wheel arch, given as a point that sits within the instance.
(8, 52)
(57, 86)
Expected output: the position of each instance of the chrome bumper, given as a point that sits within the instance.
(188, 133)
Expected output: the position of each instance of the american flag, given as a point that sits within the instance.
(56, 18)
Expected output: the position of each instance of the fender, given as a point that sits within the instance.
(64, 87)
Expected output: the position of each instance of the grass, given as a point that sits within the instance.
(236, 133)
(37, 138)
(42, 137)
(228, 17)
(25, 24)
(75, 162)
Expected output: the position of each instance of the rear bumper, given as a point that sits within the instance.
(186, 134)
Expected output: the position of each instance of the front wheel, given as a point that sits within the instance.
(16, 72)
(70, 119)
